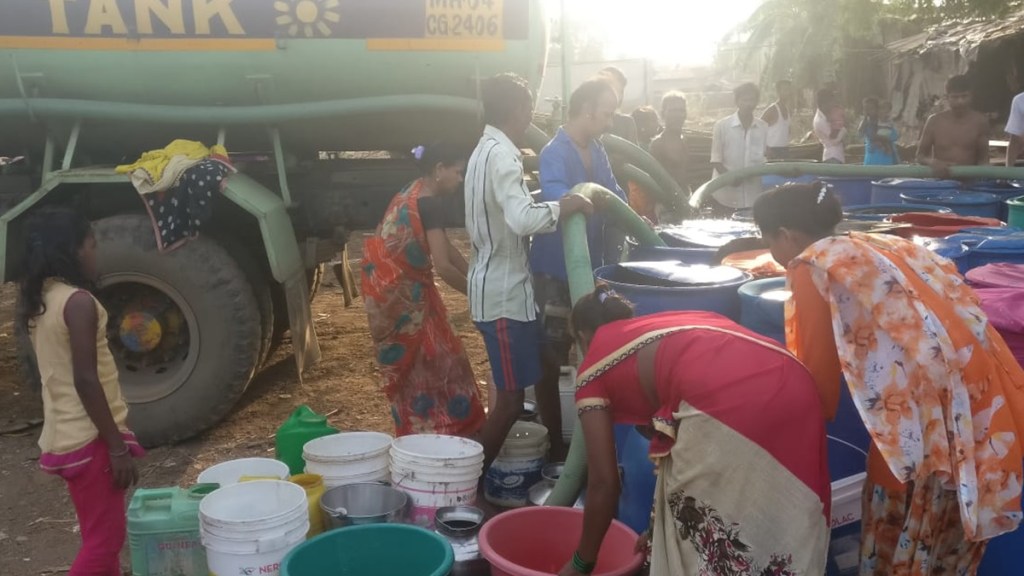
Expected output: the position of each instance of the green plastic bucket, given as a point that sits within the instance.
(1016, 212)
(372, 550)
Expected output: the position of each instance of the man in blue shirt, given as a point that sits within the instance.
(574, 156)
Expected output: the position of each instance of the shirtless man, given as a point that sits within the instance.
(955, 137)
(669, 147)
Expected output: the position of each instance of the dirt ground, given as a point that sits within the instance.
(38, 532)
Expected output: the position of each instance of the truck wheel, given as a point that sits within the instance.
(184, 328)
(260, 282)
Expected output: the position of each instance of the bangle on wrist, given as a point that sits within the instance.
(120, 453)
(580, 566)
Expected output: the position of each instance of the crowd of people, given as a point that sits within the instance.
(736, 421)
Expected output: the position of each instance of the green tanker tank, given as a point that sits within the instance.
(289, 84)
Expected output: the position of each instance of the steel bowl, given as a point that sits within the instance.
(364, 503)
(552, 471)
(540, 491)
(529, 413)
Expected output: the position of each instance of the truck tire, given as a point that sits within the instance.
(184, 328)
(259, 279)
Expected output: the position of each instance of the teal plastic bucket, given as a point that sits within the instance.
(372, 550)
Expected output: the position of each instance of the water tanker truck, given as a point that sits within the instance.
(299, 91)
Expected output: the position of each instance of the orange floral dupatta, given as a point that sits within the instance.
(937, 387)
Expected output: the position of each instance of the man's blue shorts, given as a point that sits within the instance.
(513, 348)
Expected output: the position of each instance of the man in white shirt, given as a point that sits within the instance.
(829, 128)
(500, 218)
(1015, 130)
(739, 141)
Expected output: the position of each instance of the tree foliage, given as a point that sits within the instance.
(807, 40)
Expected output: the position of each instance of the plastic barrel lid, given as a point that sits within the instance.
(1003, 244)
(1000, 274)
(992, 231)
(888, 209)
(953, 198)
(711, 233)
(919, 183)
(684, 275)
(947, 247)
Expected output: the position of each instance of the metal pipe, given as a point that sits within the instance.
(796, 169)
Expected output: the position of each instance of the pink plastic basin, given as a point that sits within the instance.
(538, 541)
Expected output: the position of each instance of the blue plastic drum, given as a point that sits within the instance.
(976, 204)
(762, 307)
(888, 191)
(636, 472)
(851, 191)
(662, 286)
(661, 253)
(1005, 191)
(883, 212)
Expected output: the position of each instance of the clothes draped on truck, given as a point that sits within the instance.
(177, 184)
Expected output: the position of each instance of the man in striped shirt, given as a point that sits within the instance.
(500, 218)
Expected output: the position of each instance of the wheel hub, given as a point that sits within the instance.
(140, 332)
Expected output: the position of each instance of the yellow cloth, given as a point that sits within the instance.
(155, 161)
(66, 426)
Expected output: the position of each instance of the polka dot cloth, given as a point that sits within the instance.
(179, 212)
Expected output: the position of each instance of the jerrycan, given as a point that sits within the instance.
(302, 426)
(163, 531)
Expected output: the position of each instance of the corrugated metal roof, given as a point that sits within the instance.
(963, 36)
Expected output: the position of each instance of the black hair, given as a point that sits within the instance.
(615, 72)
(598, 308)
(824, 97)
(440, 152)
(644, 112)
(674, 95)
(504, 95)
(813, 209)
(746, 89)
(958, 84)
(589, 93)
(54, 237)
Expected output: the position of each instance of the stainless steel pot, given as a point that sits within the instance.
(540, 491)
(460, 525)
(364, 503)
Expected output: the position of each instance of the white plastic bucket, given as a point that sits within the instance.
(436, 471)
(231, 472)
(348, 457)
(249, 528)
(844, 547)
(518, 466)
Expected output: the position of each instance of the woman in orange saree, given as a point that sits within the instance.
(940, 394)
(425, 372)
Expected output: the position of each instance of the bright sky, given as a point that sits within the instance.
(666, 31)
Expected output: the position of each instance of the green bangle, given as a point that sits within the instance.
(580, 566)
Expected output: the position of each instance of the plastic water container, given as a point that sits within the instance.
(951, 249)
(883, 212)
(704, 256)
(978, 204)
(436, 471)
(1008, 249)
(234, 471)
(1004, 190)
(250, 527)
(774, 181)
(844, 544)
(163, 531)
(712, 289)
(567, 400)
(301, 426)
(348, 458)
(1015, 211)
(372, 550)
(539, 540)
(707, 234)
(313, 484)
(762, 307)
(1003, 555)
(889, 191)
(851, 191)
(636, 473)
(518, 466)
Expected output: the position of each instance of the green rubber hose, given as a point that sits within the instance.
(581, 283)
